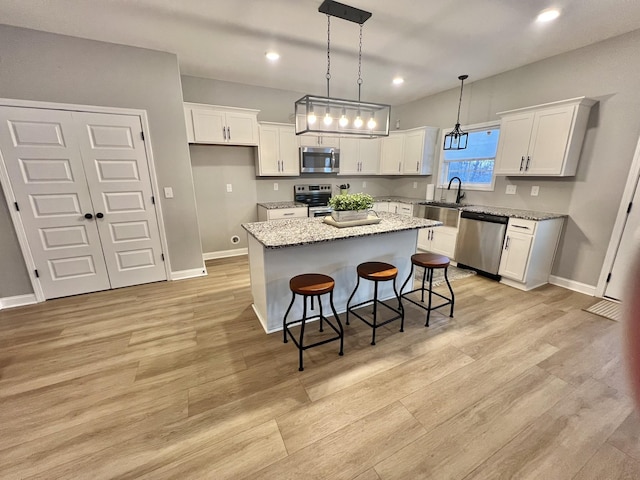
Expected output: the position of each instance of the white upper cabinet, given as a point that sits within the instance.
(278, 150)
(544, 140)
(409, 152)
(319, 141)
(213, 124)
(359, 156)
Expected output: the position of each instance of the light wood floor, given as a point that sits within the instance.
(178, 380)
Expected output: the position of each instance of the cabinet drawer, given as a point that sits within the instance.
(521, 225)
(405, 209)
(278, 213)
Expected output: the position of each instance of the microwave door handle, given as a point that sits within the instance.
(333, 160)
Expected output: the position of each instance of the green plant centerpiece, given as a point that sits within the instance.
(350, 206)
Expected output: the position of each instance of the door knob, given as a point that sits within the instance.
(88, 216)
(99, 215)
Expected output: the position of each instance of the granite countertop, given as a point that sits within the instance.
(389, 198)
(276, 205)
(302, 231)
(512, 212)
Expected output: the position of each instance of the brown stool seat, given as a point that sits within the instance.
(430, 260)
(377, 271)
(311, 284)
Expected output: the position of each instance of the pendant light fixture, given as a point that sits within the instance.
(341, 116)
(456, 139)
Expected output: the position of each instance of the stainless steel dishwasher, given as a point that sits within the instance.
(479, 244)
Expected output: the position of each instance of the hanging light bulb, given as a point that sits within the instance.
(358, 121)
(328, 119)
(371, 123)
(311, 118)
(344, 121)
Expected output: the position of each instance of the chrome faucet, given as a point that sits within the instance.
(460, 195)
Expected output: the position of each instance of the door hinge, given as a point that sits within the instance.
(609, 277)
(162, 256)
(153, 200)
(17, 207)
(37, 274)
(629, 207)
(142, 136)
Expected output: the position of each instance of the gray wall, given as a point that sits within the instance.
(608, 72)
(55, 68)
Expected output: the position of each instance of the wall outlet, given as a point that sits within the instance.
(535, 190)
(511, 190)
(364, 184)
(415, 184)
(275, 186)
(229, 187)
(168, 192)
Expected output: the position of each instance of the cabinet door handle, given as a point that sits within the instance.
(99, 215)
(287, 214)
(520, 226)
(229, 132)
(399, 164)
(88, 216)
(521, 162)
(417, 165)
(506, 244)
(528, 160)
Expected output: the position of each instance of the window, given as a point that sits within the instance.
(474, 165)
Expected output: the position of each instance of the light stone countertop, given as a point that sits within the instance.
(391, 198)
(512, 212)
(302, 231)
(276, 205)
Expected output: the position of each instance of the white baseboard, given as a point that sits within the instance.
(194, 272)
(225, 253)
(573, 285)
(17, 301)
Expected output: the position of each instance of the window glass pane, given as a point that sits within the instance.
(474, 165)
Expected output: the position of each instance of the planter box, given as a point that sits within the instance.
(349, 215)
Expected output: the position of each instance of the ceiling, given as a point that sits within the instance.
(428, 42)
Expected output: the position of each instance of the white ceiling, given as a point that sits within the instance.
(428, 42)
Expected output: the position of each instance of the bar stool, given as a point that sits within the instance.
(430, 262)
(312, 285)
(377, 272)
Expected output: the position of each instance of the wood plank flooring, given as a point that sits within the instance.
(178, 380)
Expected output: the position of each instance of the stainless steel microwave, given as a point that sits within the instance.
(319, 160)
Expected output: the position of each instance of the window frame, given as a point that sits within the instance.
(442, 182)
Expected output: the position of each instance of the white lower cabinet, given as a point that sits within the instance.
(528, 252)
(394, 207)
(381, 207)
(265, 214)
(440, 240)
(278, 150)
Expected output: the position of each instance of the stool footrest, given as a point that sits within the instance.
(381, 302)
(321, 342)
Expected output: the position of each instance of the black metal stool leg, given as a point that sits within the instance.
(304, 320)
(407, 280)
(321, 315)
(375, 311)
(430, 291)
(335, 315)
(351, 298)
(400, 307)
(284, 320)
(450, 291)
(424, 277)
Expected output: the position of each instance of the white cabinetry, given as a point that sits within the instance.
(278, 150)
(359, 156)
(544, 140)
(381, 206)
(409, 152)
(528, 252)
(394, 207)
(214, 124)
(265, 214)
(319, 141)
(441, 240)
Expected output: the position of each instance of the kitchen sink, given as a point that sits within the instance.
(447, 213)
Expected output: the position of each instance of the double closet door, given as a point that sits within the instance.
(83, 192)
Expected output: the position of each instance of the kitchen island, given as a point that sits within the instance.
(282, 249)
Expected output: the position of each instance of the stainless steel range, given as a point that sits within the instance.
(315, 196)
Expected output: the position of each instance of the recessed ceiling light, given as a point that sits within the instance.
(398, 81)
(273, 56)
(548, 15)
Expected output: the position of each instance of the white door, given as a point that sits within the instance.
(391, 154)
(549, 140)
(515, 133)
(240, 129)
(625, 255)
(288, 146)
(40, 151)
(413, 150)
(269, 155)
(515, 256)
(350, 156)
(115, 164)
(369, 155)
(208, 126)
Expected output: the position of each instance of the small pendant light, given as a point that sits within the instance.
(456, 139)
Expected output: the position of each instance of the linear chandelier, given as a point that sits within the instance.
(317, 114)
